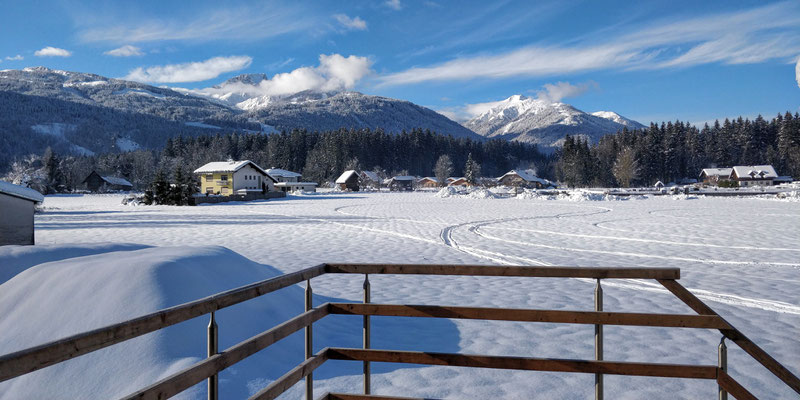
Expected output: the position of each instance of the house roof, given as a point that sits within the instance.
(227, 166)
(430, 178)
(282, 172)
(716, 171)
(345, 176)
(113, 180)
(527, 175)
(755, 172)
(371, 176)
(404, 178)
(287, 184)
(21, 192)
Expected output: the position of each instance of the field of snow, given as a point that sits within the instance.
(740, 255)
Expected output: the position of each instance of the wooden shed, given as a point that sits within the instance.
(402, 183)
(348, 180)
(16, 219)
(98, 183)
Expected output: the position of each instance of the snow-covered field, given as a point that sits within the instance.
(109, 262)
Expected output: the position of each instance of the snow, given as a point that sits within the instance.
(345, 176)
(276, 172)
(59, 130)
(113, 180)
(528, 175)
(125, 144)
(21, 191)
(745, 267)
(760, 171)
(226, 166)
(140, 92)
(198, 124)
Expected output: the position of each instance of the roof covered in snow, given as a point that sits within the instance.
(527, 175)
(404, 178)
(227, 166)
(21, 192)
(429, 178)
(716, 172)
(283, 173)
(113, 180)
(755, 172)
(371, 176)
(345, 176)
(290, 184)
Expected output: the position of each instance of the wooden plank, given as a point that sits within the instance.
(188, 377)
(525, 363)
(529, 315)
(735, 335)
(733, 387)
(348, 396)
(297, 373)
(493, 270)
(34, 358)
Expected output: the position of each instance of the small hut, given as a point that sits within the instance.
(16, 219)
(402, 183)
(427, 182)
(98, 183)
(348, 180)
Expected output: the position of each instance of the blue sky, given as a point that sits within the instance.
(649, 61)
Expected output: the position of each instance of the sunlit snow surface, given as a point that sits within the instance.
(741, 256)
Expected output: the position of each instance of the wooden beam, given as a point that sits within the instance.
(286, 381)
(733, 387)
(34, 358)
(188, 377)
(348, 396)
(493, 270)
(525, 363)
(528, 315)
(735, 335)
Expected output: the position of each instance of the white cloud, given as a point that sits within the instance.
(189, 72)
(555, 92)
(750, 36)
(351, 23)
(50, 51)
(17, 57)
(394, 4)
(243, 23)
(334, 73)
(125, 51)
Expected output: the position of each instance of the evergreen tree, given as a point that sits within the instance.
(472, 170)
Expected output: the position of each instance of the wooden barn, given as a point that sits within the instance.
(348, 180)
(427, 182)
(16, 217)
(98, 183)
(523, 178)
(460, 181)
(713, 176)
(402, 183)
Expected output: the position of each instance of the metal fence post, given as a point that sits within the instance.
(309, 343)
(598, 341)
(213, 348)
(722, 354)
(366, 336)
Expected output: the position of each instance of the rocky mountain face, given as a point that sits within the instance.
(545, 123)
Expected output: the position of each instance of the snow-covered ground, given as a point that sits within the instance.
(740, 255)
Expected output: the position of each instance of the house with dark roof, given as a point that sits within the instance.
(99, 183)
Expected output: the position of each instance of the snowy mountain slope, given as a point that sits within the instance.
(544, 123)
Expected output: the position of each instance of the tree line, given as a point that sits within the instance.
(672, 151)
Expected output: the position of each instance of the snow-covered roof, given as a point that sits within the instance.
(227, 166)
(113, 180)
(717, 171)
(283, 173)
(755, 172)
(21, 192)
(282, 184)
(430, 178)
(371, 176)
(527, 175)
(345, 176)
(404, 178)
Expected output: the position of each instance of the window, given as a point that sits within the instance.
(223, 178)
(209, 178)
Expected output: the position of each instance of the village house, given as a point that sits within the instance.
(370, 179)
(288, 181)
(348, 180)
(460, 181)
(234, 177)
(753, 175)
(523, 179)
(402, 183)
(17, 204)
(713, 176)
(98, 183)
(427, 182)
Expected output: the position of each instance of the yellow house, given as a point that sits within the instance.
(234, 177)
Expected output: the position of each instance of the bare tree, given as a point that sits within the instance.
(626, 168)
(443, 169)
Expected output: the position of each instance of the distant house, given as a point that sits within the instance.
(782, 179)
(402, 183)
(16, 213)
(98, 183)
(370, 179)
(427, 182)
(713, 176)
(289, 181)
(659, 185)
(348, 180)
(754, 175)
(234, 177)
(460, 181)
(523, 178)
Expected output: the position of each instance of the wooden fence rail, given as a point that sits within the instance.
(28, 360)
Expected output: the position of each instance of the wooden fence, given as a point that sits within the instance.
(32, 359)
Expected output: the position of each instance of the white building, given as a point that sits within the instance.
(754, 175)
(289, 181)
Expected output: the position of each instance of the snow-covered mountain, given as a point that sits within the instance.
(545, 123)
